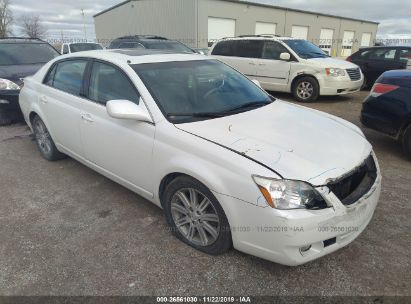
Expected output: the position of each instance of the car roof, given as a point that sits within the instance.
(260, 37)
(397, 73)
(136, 56)
(386, 47)
(21, 40)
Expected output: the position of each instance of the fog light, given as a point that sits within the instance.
(305, 248)
(2, 101)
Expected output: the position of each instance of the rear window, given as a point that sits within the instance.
(26, 53)
(167, 45)
(79, 47)
(383, 54)
(224, 48)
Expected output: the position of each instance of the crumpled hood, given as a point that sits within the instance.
(333, 63)
(296, 142)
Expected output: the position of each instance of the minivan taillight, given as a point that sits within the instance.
(349, 59)
(381, 88)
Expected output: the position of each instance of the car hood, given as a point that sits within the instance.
(332, 63)
(17, 72)
(295, 142)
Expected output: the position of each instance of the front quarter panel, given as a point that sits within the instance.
(220, 169)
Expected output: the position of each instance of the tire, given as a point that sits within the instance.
(203, 224)
(365, 85)
(406, 141)
(5, 119)
(306, 89)
(44, 142)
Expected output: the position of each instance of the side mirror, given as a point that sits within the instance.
(124, 109)
(285, 56)
(256, 82)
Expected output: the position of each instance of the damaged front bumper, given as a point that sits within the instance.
(294, 237)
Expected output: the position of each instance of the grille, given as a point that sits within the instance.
(351, 188)
(355, 74)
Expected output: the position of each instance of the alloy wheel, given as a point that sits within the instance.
(195, 217)
(305, 90)
(43, 137)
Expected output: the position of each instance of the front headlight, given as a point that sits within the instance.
(334, 72)
(6, 84)
(289, 194)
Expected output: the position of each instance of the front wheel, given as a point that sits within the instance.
(195, 216)
(306, 89)
(5, 119)
(44, 141)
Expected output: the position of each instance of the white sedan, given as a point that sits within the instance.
(229, 164)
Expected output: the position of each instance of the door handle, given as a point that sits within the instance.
(251, 63)
(261, 64)
(87, 117)
(43, 99)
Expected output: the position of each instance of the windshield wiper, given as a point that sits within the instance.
(254, 104)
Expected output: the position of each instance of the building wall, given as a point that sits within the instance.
(247, 15)
(173, 19)
(187, 21)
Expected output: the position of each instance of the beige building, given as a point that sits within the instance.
(200, 22)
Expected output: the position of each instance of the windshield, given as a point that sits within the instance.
(196, 90)
(79, 47)
(26, 53)
(305, 49)
(167, 45)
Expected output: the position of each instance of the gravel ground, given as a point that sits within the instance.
(66, 230)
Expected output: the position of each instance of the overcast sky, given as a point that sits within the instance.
(64, 16)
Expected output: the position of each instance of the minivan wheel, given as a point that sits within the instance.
(306, 89)
(5, 119)
(44, 141)
(195, 216)
(406, 141)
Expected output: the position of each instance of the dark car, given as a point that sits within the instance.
(19, 58)
(149, 42)
(388, 107)
(374, 61)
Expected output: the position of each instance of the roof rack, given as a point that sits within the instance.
(20, 38)
(260, 35)
(143, 37)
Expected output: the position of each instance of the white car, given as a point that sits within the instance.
(68, 48)
(229, 164)
(289, 65)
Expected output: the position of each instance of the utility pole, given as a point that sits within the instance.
(84, 24)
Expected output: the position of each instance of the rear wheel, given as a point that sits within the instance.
(306, 89)
(195, 216)
(44, 141)
(406, 141)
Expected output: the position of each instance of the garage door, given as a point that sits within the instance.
(348, 40)
(326, 40)
(365, 39)
(299, 32)
(219, 28)
(265, 28)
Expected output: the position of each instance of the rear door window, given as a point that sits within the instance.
(405, 55)
(249, 48)
(68, 76)
(110, 83)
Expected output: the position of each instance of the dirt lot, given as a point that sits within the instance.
(66, 230)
